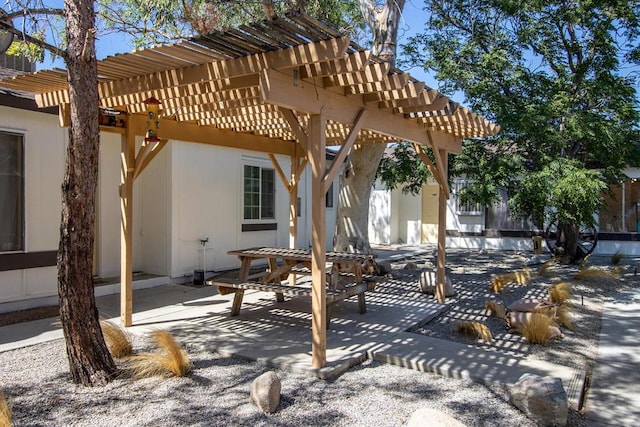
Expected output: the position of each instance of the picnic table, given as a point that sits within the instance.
(347, 275)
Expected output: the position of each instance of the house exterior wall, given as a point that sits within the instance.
(45, 145)
(496, 229)
(108, 210)
(187, 193)
(152, 198)
(206, 202)
(430, 194)
(381, 217)
(304, 219)
(409, 217)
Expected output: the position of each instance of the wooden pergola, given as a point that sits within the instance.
(289, 86)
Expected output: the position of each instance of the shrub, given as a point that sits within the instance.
(169, 359)
(616, 258)
(5, 411)
(560, 293)
(496, 309)
(118, 341)
(476, 330)
(520, 277)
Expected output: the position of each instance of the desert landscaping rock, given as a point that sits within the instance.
(543, 399)
(428, 283)
(427, 417)
(265, 392)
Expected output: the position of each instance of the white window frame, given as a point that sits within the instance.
(261, 166)
(466, 209)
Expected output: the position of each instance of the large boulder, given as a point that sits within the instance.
(543, 399)
(428, 283)
(265, 392)
(427, 417)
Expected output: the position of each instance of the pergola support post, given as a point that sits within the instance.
(293, 198)
(442, 228)
(317, 158)
(127, 170)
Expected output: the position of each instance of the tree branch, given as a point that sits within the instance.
(26, 37)
(39, 11)
(368, 10)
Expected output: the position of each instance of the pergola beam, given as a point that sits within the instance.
(345, 149)
(277, 88)
(146, 154)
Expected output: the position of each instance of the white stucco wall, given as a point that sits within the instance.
(108, 214)
(380, 216)
(154, 189)
(206, 195)
(44, 143)
(409, 217)
(304, 220)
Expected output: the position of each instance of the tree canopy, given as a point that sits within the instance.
(557, 77)
(158, 21)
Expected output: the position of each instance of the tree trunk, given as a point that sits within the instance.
(352, 224)
(567, 242)
(89, 360)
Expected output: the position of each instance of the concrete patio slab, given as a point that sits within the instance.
(614, 397)
(279, 334)
(457, 360)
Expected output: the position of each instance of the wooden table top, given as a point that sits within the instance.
(298, 254)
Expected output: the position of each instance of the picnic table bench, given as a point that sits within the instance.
(345, 276)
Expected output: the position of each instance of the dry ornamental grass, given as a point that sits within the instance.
(118, 341)
(168, 360)
(5, 411)
(594, 274)
(520, 277)
(475, 330)
(496, 309)
(560, 293)
(538, 329)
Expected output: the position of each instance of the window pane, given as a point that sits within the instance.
(251, 197)
(11, 192)
(268, 194)
(328, 198)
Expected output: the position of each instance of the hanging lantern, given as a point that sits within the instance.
(153, 120)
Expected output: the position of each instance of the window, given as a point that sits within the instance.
(468, 208)
(11, 192)
(328, 198)
(259, 193)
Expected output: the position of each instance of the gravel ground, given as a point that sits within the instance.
(578, 347)
(216, 392)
